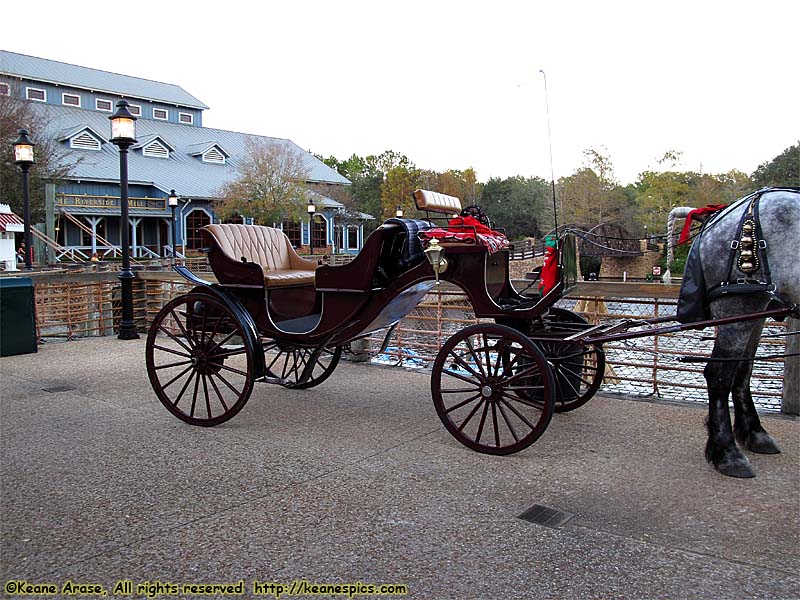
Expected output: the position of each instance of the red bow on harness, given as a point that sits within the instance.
(698, 214)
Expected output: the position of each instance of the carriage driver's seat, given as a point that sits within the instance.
(267, 247)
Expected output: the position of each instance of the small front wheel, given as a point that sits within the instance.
(493, 389)
(288, 364)
(197, 361)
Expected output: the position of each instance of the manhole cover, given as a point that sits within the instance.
(546, 516)
(59, 388)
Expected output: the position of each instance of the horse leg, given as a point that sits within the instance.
(747, 427)
(721, 450)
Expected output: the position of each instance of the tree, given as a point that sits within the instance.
(270, 187)
(521, 206)
(16, 114)
(783, 170)
(592, 195)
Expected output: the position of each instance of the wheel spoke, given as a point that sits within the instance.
(463, 403)
(186, 335)
(522, 417)
(183, 389)
(475, 357)
(508, 423)
(175, 338)
(471, 414)
(194, 396)
(494, 424)
(500, 352)
(237, 371)
(178, 376)
(461, 377)
(464, 364)
(483, 421)
(219, 395)
(171, 351)
(227, 383)
(205, 392)
(177, 364)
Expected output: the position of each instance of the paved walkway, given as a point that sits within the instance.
(356, 481)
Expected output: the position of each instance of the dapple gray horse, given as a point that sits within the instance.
(779, 227)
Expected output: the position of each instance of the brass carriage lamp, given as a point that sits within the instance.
(398, 212)
(23, 157)
(435, 255)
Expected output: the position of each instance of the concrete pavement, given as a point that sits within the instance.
(357, 481)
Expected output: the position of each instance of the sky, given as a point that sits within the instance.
(459, 84)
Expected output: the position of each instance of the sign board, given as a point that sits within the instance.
(656, 270)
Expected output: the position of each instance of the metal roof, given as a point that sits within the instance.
(51, 71)
(182, 171)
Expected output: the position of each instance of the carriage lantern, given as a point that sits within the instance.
(435, 255)
(398, 212)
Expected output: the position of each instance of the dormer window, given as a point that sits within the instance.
(186, 118)
(104, 105)
(84, 141)
(214, 155)
(160, 114)
(156, 149)
(71, 100)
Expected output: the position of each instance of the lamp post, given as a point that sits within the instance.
(312, 209)
(398, 212)
(123, 135)
(173, 204)
(23, 156)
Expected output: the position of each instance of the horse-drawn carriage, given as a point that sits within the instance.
(278, 318)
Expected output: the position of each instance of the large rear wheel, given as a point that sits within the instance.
(197, 361)
(492, 389)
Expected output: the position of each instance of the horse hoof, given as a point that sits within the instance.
(761, 442)
(736, 466)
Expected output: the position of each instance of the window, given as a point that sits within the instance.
(352, 238)
(195, 220)
(213, 155)
(156, 149)
(71, 100)
(5, 89)
(187, 118)
(105, 105)
(160, 113)
(319, 231)
(84, 141)
(135, 110)
(292, 231)
(36, 94)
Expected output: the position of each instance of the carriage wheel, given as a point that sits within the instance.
(493, 389)
(197, 362)
(578, 369)
(287, 363)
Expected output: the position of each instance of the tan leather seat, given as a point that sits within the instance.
(267, 247)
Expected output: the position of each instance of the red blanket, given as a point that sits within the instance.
(467, 230)
(549, 276)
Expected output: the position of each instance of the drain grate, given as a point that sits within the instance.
(59, 388)
(546, 516)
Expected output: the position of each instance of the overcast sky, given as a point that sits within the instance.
(457, 84)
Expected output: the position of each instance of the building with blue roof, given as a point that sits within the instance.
(173, 152)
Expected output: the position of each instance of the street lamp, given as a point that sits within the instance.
(173, 204)
(123, 135)
(23, 156)
(398, 212)
(311, 208)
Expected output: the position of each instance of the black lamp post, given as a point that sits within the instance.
(23, 156)
(173, 204)
(312, 209)
(123, 135)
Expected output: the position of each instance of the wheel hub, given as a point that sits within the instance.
(487, 390)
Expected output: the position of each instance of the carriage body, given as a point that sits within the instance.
(275, 317)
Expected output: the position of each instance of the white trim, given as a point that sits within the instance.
(135, 109)
(110, 105)
(65, 103)
(160, 152)
(184, 214)
(28, 90)
(87, 137)
(164, 110)
(181, 115)
(8, 88)
(218, 156)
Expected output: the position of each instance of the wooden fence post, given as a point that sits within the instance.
(790, 402)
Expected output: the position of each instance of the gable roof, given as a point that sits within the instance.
(51, 71)
(71, 132)
(143, 141)
(181, 171)
(203, 147)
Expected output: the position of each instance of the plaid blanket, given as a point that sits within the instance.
(412, 247)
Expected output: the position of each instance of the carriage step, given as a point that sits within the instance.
(300, 324)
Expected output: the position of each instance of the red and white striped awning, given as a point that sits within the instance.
(10, 222)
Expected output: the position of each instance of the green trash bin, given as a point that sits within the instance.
(17, 316)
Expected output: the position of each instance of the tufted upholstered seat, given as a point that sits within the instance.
(436, 202)
(267, 247)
